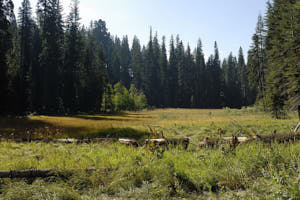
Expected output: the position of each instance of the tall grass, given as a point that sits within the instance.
(176, 173)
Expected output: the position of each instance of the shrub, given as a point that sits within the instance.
(120, 99)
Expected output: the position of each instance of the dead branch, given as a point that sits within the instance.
(297, 127)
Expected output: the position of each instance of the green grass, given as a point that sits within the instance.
(252, 171)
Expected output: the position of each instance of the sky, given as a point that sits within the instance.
(229, 22)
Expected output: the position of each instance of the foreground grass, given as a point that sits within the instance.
(252, 171)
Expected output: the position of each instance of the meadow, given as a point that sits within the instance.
(251, 171)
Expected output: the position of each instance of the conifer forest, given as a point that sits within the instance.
(55, 66)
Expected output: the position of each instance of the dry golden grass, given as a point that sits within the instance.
(189, 122)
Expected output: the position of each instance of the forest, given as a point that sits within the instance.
(55, 66)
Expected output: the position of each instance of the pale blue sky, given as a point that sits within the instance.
(230, 22)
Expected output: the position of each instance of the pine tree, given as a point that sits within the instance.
(14, 103)
(73, 62)
(293, 46)
(152, 73)
(26, 47)
(125, 60)
(243, 79)
(188, 83)
(95, 75)
(103, 37)
(281, 55)
(214, 79)
(137, 63)
(257, 61)
(164, 81)
(180, 55)
(156, 82)
(6, 11)
(233, 87)
(172, 75)
(51, 57)
(36, 71)
(199, 79)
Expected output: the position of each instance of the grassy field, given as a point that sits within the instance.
(251, 171)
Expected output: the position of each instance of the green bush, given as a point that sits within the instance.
(118, 99)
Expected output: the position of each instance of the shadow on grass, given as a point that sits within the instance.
(95, 117)
(24, 128)
(117, 133)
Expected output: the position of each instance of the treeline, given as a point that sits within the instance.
(274, 57)
(51, 66)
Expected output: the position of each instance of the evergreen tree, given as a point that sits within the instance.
(199, 79)
(114, 72)
(151, 73)
(26, 44)
(6, 12)
(172, 75)
(51, 57)
(156, 82)
(180, 56)
(95, 75)
(103, 37)
(233, 87)
(281, 53)
(137, 63)
(257, 60)
(14, 103)
(125, 60)
(214, 79)
(188, 77)
(36, 71)
(73, 61)
(164, 81)
(247, 94)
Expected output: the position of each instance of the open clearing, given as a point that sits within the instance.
(252, 171)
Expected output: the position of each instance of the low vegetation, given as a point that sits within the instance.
(251, 171)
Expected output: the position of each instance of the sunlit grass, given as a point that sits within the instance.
(169, 120)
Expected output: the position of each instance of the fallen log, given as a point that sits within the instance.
(44, 173)
(209, 142)
(240, 139)
(129, 142)
(63, 141)
(166, 142)
(280, 138)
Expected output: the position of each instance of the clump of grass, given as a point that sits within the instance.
(39, 190)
